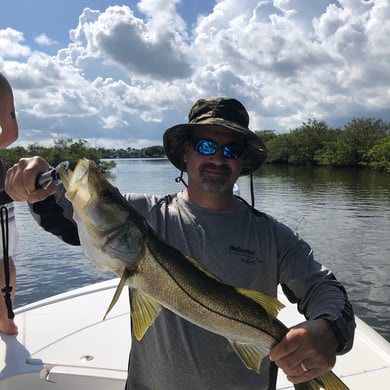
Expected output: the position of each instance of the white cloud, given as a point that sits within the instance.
(11, 44)
(146, 48)
(126, 74)
(44, 40)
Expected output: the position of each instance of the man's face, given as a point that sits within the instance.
(216, 172)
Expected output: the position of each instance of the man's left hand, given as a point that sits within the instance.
(307, 351)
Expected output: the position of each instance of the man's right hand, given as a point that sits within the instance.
(21, 178)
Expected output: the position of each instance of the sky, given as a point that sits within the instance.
(118, 74)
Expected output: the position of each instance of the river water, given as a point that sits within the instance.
(344, 214)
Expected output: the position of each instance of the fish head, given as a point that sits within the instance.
(108, 236)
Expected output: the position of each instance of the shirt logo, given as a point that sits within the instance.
(246, 256)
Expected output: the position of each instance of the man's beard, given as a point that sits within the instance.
(211, 183)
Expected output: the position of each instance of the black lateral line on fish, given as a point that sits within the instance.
(201, 303)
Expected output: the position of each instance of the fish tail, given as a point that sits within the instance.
(327, 381)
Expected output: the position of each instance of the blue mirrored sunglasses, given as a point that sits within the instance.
(209, 148)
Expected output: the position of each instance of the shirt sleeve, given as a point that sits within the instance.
(54, 214)
(312, 286)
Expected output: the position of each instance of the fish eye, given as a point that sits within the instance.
(106, 194)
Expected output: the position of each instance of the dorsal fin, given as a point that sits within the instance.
(203, 268)
(270, 304)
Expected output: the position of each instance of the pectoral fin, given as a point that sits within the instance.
(250, 354)
(144, 311)
(122, 282)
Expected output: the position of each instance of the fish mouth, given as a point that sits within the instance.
(72, 180)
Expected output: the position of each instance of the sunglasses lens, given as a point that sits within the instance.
(209, 148)
(233, 151)
(205, 147)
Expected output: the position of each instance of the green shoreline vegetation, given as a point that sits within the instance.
(363, 143)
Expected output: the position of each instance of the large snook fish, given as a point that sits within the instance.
(115, 237)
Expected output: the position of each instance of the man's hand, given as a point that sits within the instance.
(307, 351)
(20, 180)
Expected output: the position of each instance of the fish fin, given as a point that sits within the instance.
(325, 381)
(250, 354)
(331, 380)
(203, 268)
(311, 385)
(270, 304)
(122, 282)
(144, 311)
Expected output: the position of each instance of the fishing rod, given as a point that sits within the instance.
(43, 181)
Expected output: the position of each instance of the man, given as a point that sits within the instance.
(9, 133)
(207, 222)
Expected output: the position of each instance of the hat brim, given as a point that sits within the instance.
(176, 136)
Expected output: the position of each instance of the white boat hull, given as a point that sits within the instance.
(63, 344)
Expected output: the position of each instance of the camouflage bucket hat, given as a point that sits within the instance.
(220, 112)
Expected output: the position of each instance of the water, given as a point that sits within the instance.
(344, 214)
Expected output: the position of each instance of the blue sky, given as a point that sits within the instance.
(119, 74)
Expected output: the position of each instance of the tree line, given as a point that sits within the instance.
(72, 151)
(363, 142)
